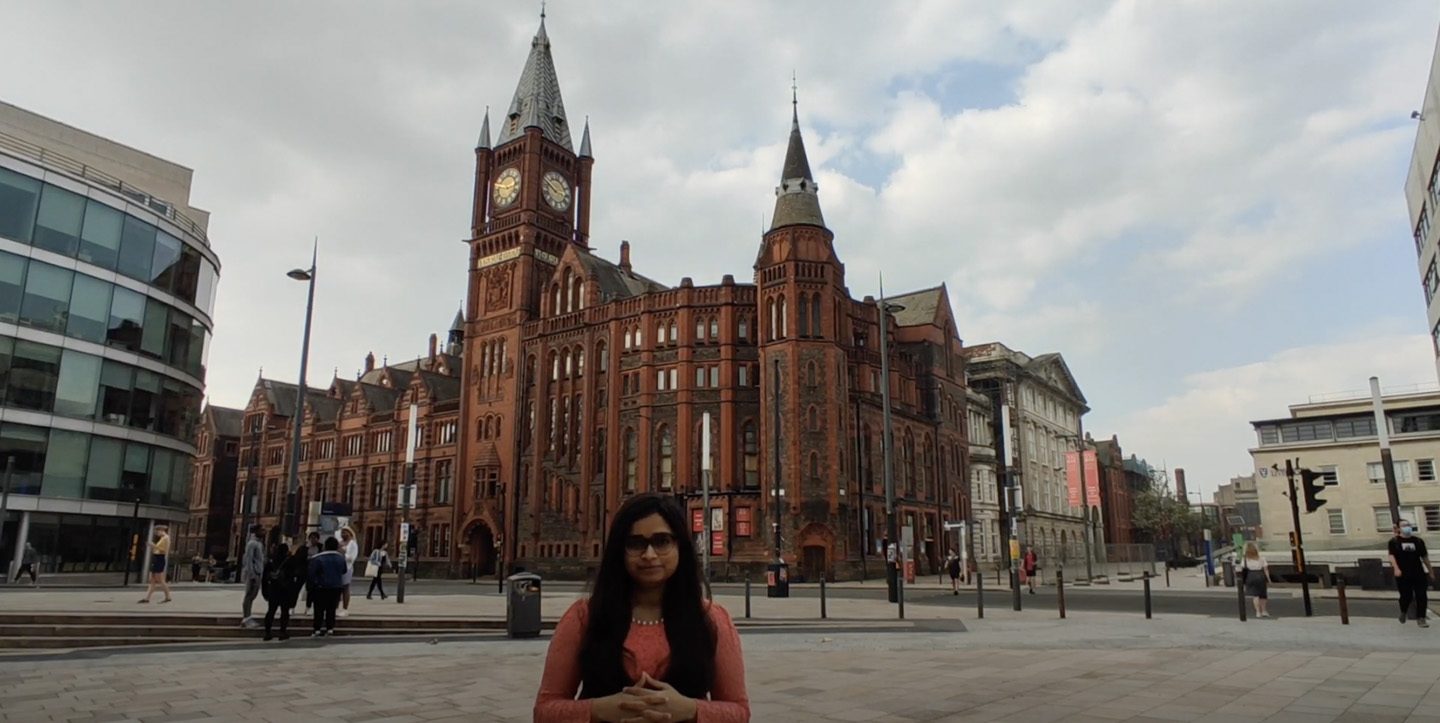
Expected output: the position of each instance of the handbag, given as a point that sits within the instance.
(371, 569)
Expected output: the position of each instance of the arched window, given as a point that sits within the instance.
(867, 456)
(485, 359)
(579, 361)
(555, 307)
(660, 333)
(627, 340)
(499, 358)
(813, 419)
(665, 462)
(699, 330)
(597, 450)
(743, 329)
(774, 329)
(909, 464)
(564, 427)
(554, 366)
(601, 361)
(815, 328)
(784, 319)
(698, 454)
(714, 329)
(575, 425)
(569, 298)
(632, 457)
(674, 332)
(750, 449)
(639, 337)
(804, 315)
(566, 356)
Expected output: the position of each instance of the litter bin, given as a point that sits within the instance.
(1227, 569)
(522, 605)
(777, 580)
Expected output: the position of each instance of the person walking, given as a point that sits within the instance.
(28, 560)
(1029, 565)
(952, 565)
(327, 578)
(375, 570)
(1255, 574)
(207, 568)
(159, 557)
(646, 644)
(252, 570)
(1410, 564)
(350, 549)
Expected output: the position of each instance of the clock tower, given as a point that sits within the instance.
(531, 201)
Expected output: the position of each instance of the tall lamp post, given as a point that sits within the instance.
(287, 527)
(892, 526)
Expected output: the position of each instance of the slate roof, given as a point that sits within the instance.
(537, 101)
(228, 422)
(615, 283)
(380, 399)
(920, 306)
(797, 200)
(442, 388)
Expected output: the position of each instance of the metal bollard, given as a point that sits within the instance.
(1240, 592)
(1060, 590)
(822, 598)
(1344, 604)
(900, 593)
(1167, 574)
(980, 596)
(1148, 610)
(747, 596)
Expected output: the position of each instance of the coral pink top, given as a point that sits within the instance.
(646, 650)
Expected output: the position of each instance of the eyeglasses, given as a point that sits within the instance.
(661, 542)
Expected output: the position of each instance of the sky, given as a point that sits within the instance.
(1198, 203)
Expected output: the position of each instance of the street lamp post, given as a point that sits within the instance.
(287, 527)
(892, 526)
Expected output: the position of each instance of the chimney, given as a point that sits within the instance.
(434, 343)
(1180, 485)
(625, 255)
(370, 362)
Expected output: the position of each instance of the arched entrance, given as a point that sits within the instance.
(816, 543)
(481, 543)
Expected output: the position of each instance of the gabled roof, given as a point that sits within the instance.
(921, 306)
(537, 100)
(228, 422)
(442, 388)
(281, 396)
(1038, 365)
(380, 399)
(615, 283)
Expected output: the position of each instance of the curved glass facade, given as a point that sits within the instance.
(104, 325)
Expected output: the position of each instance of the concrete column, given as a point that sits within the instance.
(21, 536)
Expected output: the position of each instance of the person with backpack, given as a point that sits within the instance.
(285, 574)
(327, 579)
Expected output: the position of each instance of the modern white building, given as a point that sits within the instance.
(1337, 437)
(1422, 195)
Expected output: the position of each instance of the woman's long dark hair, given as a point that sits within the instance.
(687, 622)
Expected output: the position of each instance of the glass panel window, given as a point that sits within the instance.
(47, 297)
(137, 249)
(1402, 472)
(1375, 472)
(1337, 522)
(26, 445)
(58, 226)
(12, 286)
(195, 362)
(144, 398)
(65, 463)
(205, 290)
(127, 319)
(19, 197)
(165, 265)
(1355, 427)
(7, 352)
(100, 238)
(162, 469)
(157, 324)
(187, 275)
(78, 385)
(34, 371)
(89, 309)
(135, 474)
(177, 339)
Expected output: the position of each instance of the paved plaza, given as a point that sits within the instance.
(1028, 666)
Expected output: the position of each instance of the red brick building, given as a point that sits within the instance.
(1117, 508)
(212, 489)
(575, 382)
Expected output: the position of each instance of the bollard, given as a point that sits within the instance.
(1060, 590)
(747, 596)
(900, 594)
(1240, 592)
(1148, 611)
(822, 597)
(980, 596)
(1167, 574)
(1344, 604)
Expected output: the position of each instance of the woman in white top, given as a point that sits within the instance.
(1257, 580)
(351, 549)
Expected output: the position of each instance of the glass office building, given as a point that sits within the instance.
(106, 294)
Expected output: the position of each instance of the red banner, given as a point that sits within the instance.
(697, 520)
(1092, 479)
(1072, 477)
(717, 543)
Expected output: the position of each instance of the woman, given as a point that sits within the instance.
(379, 560)
(1030, 564)
(1257, 579)
(351, 550)
(159, 551)
(952, 566)
(646, 640)
(285, 574)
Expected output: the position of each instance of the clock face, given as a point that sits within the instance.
(507, 187)
(556, 190)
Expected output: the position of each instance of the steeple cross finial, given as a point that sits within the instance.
(542, 10)
(794, 100)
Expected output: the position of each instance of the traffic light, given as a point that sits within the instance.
(1314, 484)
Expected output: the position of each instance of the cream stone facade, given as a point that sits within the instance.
(1422, 196)
(1338, 437)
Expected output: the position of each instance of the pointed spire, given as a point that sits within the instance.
(459, 323)
(537, 101)
(585, 140)
(796, 198)
(484, 142)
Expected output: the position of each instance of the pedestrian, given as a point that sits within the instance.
(1029, 565)
(326, 575)
(1255, 573)
(952, 565)
(207, 568)
(195, 568)
(252, 569)
(646, 644)
(1410, 564)
(159, 556)
(285, 574)
(29, 559)
(375, 570)
(351, 550)
(312, 548)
